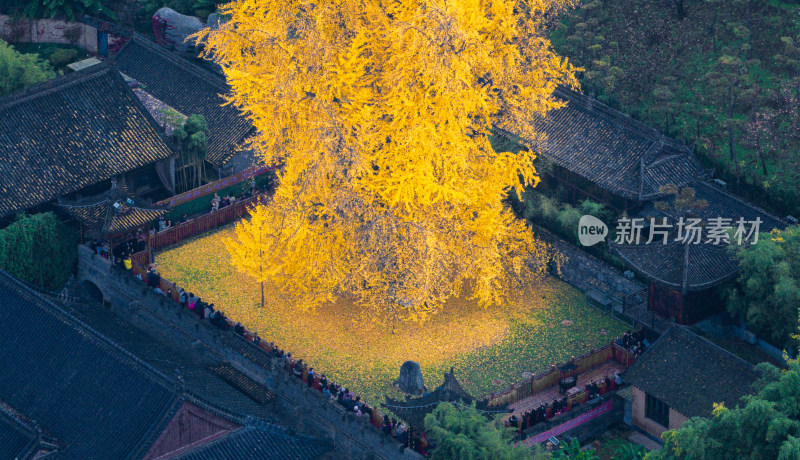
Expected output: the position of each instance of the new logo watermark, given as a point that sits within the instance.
(716, 230)
(591, 230)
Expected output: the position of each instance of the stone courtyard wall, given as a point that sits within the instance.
(587, 273)
(301, 407)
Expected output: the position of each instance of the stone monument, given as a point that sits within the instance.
(411, 380)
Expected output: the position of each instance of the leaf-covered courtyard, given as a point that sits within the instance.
(489, 348)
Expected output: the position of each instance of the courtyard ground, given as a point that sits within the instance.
(490, 349)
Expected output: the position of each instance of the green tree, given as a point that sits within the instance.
(19, 71)
(192, 140)
(464, 433)
(626, 450)
(39, 250)
(572, 451)
(767, 427)
(69, 9)
(767, 291)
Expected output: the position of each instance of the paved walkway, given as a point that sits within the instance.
(639, 438)
(550, 393)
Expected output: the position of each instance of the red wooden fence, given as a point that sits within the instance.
(215, 186)
(542, 380)
(201, 224)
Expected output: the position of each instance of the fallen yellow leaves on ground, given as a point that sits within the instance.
(545, 323)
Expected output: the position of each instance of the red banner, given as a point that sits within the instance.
(570, 424)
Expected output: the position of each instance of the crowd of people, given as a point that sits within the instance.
(218, 202)
(635, 342)
(544, 412)
(160, 225)
(100, 248)
(348, 400)
(318, 381)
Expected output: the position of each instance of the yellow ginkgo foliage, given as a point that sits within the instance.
(379, 112)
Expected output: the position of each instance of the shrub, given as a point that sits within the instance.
(62, 57)
(39, 250)
(19, 71)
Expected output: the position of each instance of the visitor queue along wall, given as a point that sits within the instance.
(160, 315)
(121, 290)
(304, 407)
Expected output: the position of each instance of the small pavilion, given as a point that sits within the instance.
(114, 215)
(414, 410)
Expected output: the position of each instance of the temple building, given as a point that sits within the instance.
(81, 383)
(72, 135)
(112, 215)
(190, 89)
(681, 376)
(600, 154)
(684, 276)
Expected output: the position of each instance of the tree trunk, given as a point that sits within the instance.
(697, 125)
(196, 170)
(262, 294)
(730, 125)
(761, 156)
(713, 29)
(680, 8)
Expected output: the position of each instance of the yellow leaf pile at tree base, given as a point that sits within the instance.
(527, 334)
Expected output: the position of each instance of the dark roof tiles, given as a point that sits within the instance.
(690, 374)
(189, 89)
(69, 133)
(102, 389)
(693, 267)
(16, 440)
(261, 441)
(101, 218)
(74, 382)
(612, 150)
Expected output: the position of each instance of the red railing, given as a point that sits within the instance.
(550, 377)
(202, 223)
(141, 258)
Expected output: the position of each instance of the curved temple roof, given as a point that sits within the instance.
(112, 212)
(612, 150)
(72, 132)
(693, 267)
(188, 88)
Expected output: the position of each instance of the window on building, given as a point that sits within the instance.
(656, 410)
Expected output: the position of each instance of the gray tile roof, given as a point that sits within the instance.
(104, 388)
(16, 439)
(690, 373)
(188, 88)
(101, 218)
(261, 441)
(693, 267)
(75, 383)
(612, 150)
(72, 132)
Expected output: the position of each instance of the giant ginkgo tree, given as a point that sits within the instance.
(380, 113)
